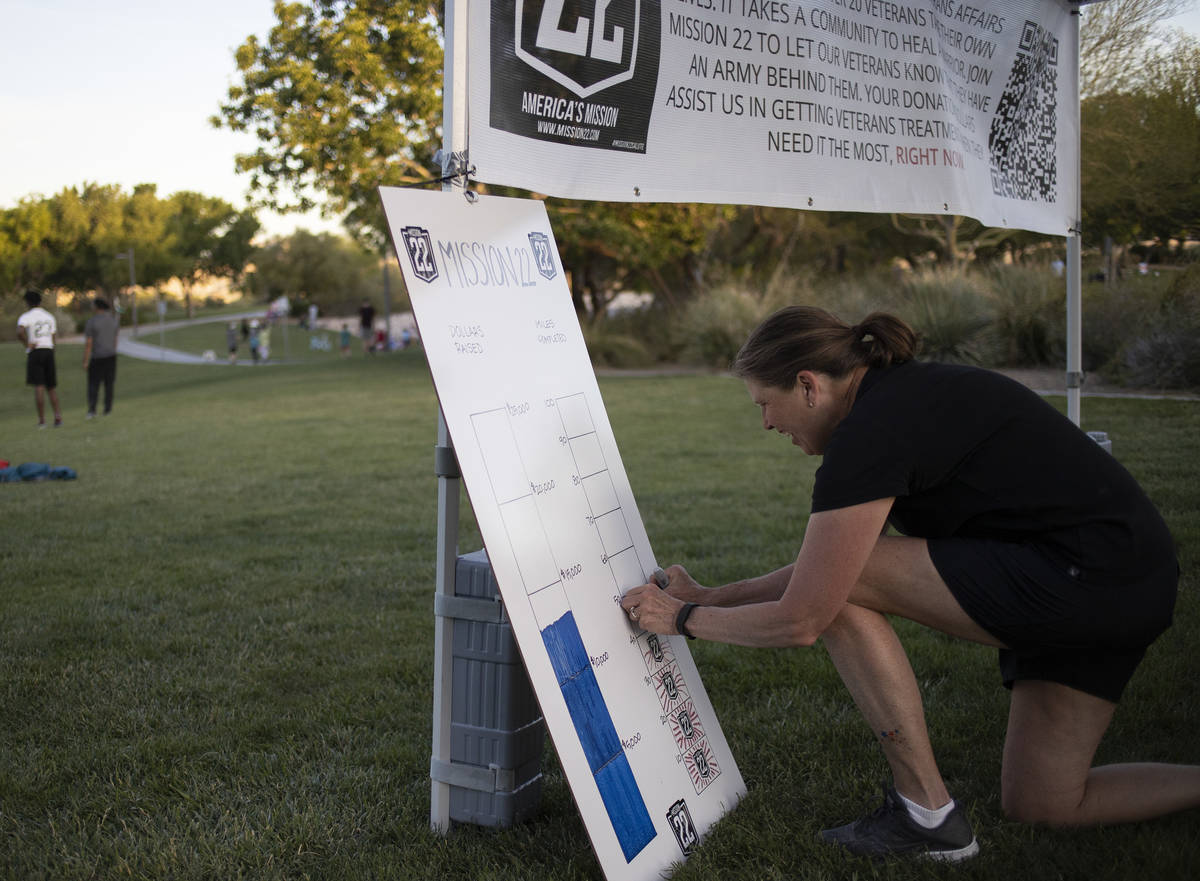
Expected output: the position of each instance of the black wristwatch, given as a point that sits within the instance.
(681, 619)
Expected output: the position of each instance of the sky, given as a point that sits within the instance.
(121, 93)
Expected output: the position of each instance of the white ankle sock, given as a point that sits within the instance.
(929, 818)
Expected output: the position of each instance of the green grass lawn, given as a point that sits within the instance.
(216, 645)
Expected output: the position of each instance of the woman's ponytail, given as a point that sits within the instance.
(885, 339)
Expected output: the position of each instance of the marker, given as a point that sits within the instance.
(660, 578)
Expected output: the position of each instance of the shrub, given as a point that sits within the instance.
(716, 323)
(1166, 351)
(1028, 308)
(1184, 291)
(854, 298)
(608, 346)
(948, 308)
(1110, 315)
(1165, 357)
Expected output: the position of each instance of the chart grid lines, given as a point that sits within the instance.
(506, 469)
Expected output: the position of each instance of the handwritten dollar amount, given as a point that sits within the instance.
(540, 488)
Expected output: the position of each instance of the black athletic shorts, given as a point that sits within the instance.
(39, 368)
(1058, 623)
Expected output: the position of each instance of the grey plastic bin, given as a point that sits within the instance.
(496, 731)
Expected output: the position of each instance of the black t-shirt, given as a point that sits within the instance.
(969, 453)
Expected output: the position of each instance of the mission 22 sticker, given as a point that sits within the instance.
(680, 819)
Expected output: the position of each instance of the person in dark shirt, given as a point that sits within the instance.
(366, 324)
(100, 355)
(1017, 531)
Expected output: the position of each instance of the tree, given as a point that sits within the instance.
(331, 271)
(1113, 38)
(207, 237)
(233, 247)
(26, 257)
(71, 240)
(610, 247)
(346, 97)
(147, 227)
(1140, 160)
(956, 239)
(343, 98)
(88, 232)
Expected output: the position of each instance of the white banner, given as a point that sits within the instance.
(933, 107)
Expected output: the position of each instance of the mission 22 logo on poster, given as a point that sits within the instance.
(579, 72)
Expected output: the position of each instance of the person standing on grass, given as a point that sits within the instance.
(231, 341)
(1017, 531)
(100, 355)
(38, 329)
(366, 324)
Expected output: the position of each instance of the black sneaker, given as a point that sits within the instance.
(891, 831)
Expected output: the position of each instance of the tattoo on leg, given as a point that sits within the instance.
(892, 736)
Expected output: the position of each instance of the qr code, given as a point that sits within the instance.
(1024, 129)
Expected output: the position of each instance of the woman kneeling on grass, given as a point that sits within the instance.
(1019, 531)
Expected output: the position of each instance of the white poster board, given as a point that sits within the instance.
(926, 106)
(634, 730)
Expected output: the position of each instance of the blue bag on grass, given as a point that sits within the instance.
(34, 471)
(31, 472)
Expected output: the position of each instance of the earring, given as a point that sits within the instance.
(810, 403)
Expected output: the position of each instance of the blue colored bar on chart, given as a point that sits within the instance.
(598, 736)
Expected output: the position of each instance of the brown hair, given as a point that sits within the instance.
(807, 338)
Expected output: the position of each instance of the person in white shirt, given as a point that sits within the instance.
(37, 329)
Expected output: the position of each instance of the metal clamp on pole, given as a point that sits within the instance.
(454, 164)
(445, 462)
(456, 170)
(1075, 379)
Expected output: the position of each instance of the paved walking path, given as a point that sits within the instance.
(147, 352)
(127, 345)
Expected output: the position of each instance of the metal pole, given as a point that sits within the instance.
(1075, 269)
(387, 304)
(454, 134)
(132, 286)
(1074, 328)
